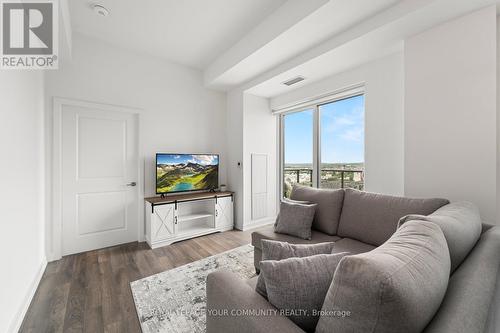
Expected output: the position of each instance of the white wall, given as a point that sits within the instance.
(384, 103)
(235, 152)
(251, 128)
(498, 120)
(260, 129)
(22, 252)
(450, 112)
(179, 113)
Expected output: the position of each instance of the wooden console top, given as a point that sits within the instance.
(187, 197)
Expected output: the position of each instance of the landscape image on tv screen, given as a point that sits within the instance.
(186, 172)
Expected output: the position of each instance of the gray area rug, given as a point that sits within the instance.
(175, 300)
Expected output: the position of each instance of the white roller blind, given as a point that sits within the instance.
(346, 92)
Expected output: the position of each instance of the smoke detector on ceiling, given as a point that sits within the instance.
(101, 10)
(294, 80)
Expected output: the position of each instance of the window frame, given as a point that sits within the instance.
(314, 105)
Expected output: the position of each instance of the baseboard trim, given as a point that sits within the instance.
(16, 323)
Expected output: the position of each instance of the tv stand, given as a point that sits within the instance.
(174, 218)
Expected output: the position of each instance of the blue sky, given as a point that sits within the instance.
(342, 133)
(178, 158)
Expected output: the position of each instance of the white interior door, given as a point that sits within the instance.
(99, 169)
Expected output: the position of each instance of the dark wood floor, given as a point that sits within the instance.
(90, 292)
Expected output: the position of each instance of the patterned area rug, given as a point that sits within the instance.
(175, 300)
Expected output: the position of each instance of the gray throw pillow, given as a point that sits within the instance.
(397, 287)
(293, 201)
(298, 286)
(461, 226)
(295, 219)
(327, 216)
(274, 250)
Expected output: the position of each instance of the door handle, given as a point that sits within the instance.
(132, 184)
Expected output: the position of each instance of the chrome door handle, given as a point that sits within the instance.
(132, 184)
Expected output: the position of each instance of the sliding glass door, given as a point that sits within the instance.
(298, 154)
(323, 145)
(342, 129)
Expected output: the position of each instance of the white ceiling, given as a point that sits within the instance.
(327, 20)
(375, 37)
(189, 32)
(258, 44)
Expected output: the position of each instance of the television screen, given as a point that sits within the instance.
(186, 172)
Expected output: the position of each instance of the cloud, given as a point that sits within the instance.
(353, 134)
(348, 126)
(204, 159)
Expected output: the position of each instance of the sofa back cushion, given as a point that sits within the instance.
(397, 287)
(472, 300)
(372, 218)
(461, 226)
(326, 218)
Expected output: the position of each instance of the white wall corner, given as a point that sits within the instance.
(65, 30)
(234, 124)
(259, 137)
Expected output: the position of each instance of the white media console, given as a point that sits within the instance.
(179, 217)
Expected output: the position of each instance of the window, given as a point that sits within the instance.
(323, 145)
(342, 143)
(298, 149)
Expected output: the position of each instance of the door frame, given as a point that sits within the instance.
(56, 221)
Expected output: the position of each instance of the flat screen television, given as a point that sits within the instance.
(186, 172)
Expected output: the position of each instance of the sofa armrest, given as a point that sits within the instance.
(233, 306)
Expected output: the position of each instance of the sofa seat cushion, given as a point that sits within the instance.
(461, 226)
(397, 287)
(268, 233)
(372, 218)
(352, 246)
(326, 218)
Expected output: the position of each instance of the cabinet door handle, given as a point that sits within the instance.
(131, 184)
(216, 213)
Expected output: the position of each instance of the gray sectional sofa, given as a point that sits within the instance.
(360, 222)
